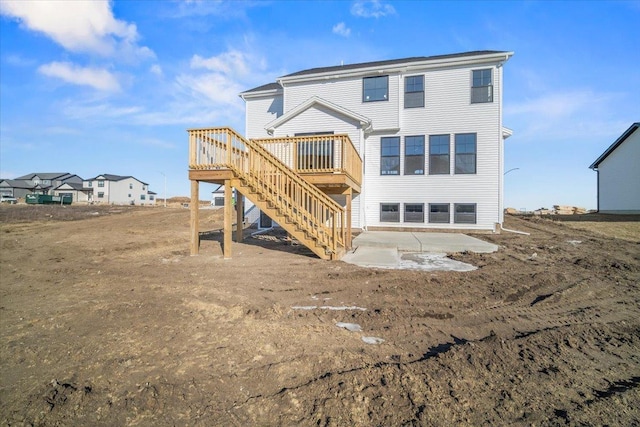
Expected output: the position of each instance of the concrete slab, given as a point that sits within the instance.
(387, 239)
(414, 250)
(453, 242)
(371, 256)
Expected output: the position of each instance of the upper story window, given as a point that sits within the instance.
(375, 89)
(465, 153)
(414, 91)
(100, 183)
(130, 186)
(481, 86)
(438, 154)
(414, 155)
(390, 155)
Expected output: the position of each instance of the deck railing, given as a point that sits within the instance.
(317, 154)
(293, 197)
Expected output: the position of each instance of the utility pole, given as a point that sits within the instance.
(165, 189)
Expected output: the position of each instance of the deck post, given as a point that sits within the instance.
(195, 217)
(228, 219)
(239, 216)
(347, 242)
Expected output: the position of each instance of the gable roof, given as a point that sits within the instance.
(46, 175)
(365, 122)
(111, 177)
(20, 183)
(415, 61)
(73, 186)
(615, 145)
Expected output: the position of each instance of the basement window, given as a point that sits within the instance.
(464, 213)
(390, 212)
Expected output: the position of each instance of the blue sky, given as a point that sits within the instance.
(110, 87)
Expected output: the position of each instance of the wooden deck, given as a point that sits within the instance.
(289, 179)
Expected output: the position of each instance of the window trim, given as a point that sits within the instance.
(421, 221)
(433, 220)
(364, 89)
(397, 212)
(448, 155)
(382, 156)
(406, 91)
(455, 213)
(406, 156)
(482, 93)
(458, 166)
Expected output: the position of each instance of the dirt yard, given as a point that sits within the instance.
(106, 320)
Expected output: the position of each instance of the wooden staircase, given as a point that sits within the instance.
(305, 212)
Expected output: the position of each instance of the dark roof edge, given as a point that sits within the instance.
(615, 145)
(394, 62)
(269, 87)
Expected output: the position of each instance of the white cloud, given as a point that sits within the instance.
(97, 78)
(156, 69)
(226, 63)
(79, 26)
(341, 29)
(371, 9)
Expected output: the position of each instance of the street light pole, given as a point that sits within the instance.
(511, 170)
(165, 189)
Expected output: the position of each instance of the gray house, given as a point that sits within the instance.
(41, 183)
(619, 174)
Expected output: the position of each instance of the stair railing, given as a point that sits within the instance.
(297, 200)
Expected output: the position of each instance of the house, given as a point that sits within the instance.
(18, 188)
(405, 144)
(119, 190)
(75, 190)
(619, 175)
(41, 183)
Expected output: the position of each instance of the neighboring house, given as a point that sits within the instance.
(40, 183)
(77, 191)
(18, 188)
(119, 190)
(619, 174)
(415, 143)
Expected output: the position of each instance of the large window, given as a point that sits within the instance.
(414, 91)
(465, 153)
(414, 212)
(100, 195)
(438, 154)
(439, 213)
(464, 213)
(481, 86)
(414, 155)
(390, 212)
(101, 183)
(375, 89)
(390, 156)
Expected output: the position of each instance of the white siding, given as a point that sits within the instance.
(261, 111)
(347, 92)
(619, 178)
(447, 110)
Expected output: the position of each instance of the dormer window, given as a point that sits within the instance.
(482, 86)
(375, 89)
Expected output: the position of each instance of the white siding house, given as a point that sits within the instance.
(619, 174)
(119, 190)
(428, 129)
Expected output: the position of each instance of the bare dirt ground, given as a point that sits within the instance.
(106, 320)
